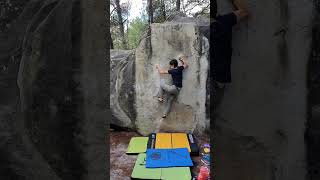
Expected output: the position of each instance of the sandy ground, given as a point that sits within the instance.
(122, 164)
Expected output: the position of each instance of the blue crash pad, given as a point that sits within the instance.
(158, 158)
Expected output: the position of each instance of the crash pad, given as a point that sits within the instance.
(180, 140)
(137, 145)
(158, 158)
(181, 173)
(163, 141)
(141, 172)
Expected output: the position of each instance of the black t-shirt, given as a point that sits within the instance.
(176, 75)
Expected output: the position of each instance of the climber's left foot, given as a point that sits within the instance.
(160, 99)
(164, 116)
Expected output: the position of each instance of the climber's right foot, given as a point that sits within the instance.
(164, 116)
(160, 99)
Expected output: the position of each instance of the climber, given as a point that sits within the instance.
(172, 90)
(222, 40)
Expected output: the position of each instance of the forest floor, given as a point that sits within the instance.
(121, 164)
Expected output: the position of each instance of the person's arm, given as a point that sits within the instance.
(184, 63)
(161, 71)
(242, 9)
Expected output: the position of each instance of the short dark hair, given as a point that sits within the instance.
(173, 62)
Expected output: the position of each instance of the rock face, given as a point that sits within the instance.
(9, 12)
(202, 23)
(122, 80)
(135, 81)
(313, 125)
(53, 98)
(262, 117)
(167, 41)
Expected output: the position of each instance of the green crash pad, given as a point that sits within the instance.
(137, 145)
(173, 173)
(141, 172)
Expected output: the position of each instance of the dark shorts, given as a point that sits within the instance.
(222, 47)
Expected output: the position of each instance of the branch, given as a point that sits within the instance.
(112, 10)
(191, 8)
(112, 4)
(125, 21)
(195, 4)
(203, 9)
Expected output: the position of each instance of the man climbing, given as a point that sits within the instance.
(172, 90)
(222, 41)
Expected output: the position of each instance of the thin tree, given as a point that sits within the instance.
(111, 41)
(150, 11)
(163, 10)
(178, 2)
(120, 21)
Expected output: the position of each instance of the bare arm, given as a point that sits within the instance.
(242, 9)
(161, 71)
(184, 63)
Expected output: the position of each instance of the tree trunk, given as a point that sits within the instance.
(163, 10)
(111, 41)
(121, 26)
(178, 2)
(150, 11)
(213, 9)
(95, 89)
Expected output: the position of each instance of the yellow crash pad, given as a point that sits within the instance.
(163, 141)
(180, 140)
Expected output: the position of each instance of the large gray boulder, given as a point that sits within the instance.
(52, 90)
(166, 41)
(122, 81)
(260, 124)
(135, 81)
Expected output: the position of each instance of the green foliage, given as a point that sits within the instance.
(136, 29)
(159, 9)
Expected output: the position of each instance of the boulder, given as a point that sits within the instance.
(53, 108)
(164, 42)
(135, 81)
(122, 90)
(260, 123)
(201, 22)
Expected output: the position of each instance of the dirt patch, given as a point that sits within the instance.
(121, 164)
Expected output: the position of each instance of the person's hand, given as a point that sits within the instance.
(182, 57)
